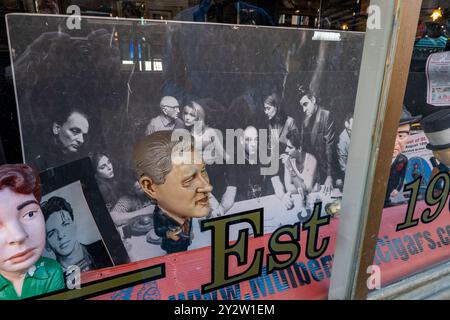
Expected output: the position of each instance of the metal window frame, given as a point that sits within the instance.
(430, 284)
(381, 88)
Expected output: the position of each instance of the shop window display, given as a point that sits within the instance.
(272, 122)
(284, 107)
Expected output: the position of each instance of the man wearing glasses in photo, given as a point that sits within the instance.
(168, 119)
(399, 160)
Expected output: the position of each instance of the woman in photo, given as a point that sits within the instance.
(132, 205)
(299, 171)
(205, 137)
(105, 177)
(278, 125)
(134, 212)
(299, 166)
(278, 122)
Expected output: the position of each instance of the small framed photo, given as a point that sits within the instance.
(79, 229)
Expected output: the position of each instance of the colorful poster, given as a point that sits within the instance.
(419, 164)
(438, 70)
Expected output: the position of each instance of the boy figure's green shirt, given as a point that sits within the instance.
(45, 276)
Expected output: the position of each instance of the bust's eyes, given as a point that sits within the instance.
(188, 180)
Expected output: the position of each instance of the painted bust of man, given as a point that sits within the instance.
(171, 172)
(23, 272)
(399, 160)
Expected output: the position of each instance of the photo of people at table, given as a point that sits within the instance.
(290, 118)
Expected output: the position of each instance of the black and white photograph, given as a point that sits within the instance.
(72, 235)
(79, 230)
(255, 99)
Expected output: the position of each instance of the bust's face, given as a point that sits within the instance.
(186, 190)
(401, 139)
(22, 231)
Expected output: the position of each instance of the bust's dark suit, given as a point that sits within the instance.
(163, 223)
(396, 177)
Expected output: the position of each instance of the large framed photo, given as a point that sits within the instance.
(273, 92)
(273, 126)
(79, 229)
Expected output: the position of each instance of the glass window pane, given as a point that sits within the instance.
(257, 97)
(414, 231)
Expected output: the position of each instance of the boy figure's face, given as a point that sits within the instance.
(22, 231)
(185, 192)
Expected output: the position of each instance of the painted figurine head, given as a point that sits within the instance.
(437, 129)
(171, 172)
(22, 226)
(403, 131)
